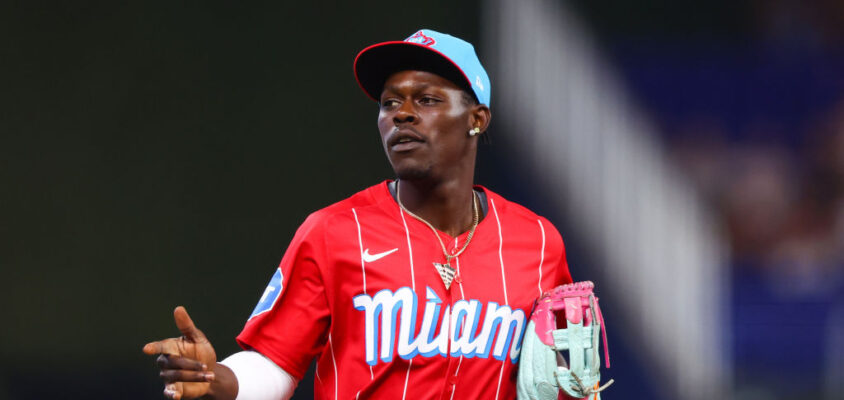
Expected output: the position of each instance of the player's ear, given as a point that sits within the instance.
(479, 117)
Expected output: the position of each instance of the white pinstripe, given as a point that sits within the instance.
(406, 378)
(503, 281)
(360, 243)
(460, 282)
(500, 247)
(409, 250)
(500, 375)
(334, 361)
(413, 286)
(463, 326)
(363, 272)
(541, 255)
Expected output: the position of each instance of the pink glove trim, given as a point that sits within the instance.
(574, 299)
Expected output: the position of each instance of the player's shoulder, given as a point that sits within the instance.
(368, 197)
(517, 213)
(510, 209)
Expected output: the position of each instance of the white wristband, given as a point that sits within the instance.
(258, 378)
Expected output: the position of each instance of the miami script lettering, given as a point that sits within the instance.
(457, 331)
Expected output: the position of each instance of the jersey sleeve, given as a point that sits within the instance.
(291, 321)
(563, 275)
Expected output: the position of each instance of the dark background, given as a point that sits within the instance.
(158, 154)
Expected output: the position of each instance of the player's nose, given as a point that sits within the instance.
(405, 113)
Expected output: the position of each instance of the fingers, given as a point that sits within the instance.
(175, 362)
(173, 391)
(154, 348)
(166, 346)
(171, 346)
(175, 371)
(176, 375)
(183, 376)
(186, 326)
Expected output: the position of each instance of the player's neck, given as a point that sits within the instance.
(447, 205)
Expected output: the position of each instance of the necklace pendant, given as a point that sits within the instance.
(446, 273)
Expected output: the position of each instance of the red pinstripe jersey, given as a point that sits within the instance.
(357, 289)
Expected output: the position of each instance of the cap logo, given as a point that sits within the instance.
(420, 38)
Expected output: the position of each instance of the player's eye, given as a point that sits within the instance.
(389, 103)
(428, 100)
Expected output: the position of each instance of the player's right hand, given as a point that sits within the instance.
(187, 362)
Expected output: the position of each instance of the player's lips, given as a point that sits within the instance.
(404, 140)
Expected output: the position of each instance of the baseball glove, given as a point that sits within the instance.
(543, 369)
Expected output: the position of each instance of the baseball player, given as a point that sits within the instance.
(415, 288)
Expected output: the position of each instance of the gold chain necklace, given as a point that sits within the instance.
(446, 272)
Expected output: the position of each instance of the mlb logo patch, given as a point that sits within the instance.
(421, 38)
(270, 296)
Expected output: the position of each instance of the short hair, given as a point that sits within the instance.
(468, 98)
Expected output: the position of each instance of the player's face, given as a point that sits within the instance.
(424, 123)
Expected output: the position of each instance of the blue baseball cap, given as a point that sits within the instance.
(426, 50)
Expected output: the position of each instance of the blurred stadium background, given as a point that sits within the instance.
(691, 154)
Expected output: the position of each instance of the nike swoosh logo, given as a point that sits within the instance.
(373, 257)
